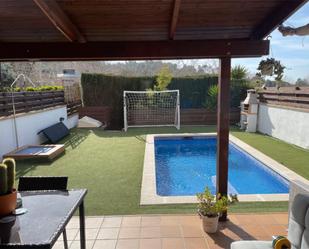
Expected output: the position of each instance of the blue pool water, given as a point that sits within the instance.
(184, 166)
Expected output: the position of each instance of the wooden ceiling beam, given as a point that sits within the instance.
(60, 20)
(276, 17)
(150, 50)
(174, 19)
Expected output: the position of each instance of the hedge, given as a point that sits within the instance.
(33, 89)
(106, 90)
(193, 90)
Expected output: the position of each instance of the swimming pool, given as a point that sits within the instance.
(185, 165)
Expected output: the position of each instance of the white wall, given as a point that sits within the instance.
(287, 124)
(28, 125)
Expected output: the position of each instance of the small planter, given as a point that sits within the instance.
(271, 67)
(210, 207)
(8, 203)
(210, 224)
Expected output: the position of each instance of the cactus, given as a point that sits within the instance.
(10, 164)
(3, 179)
(7, 176)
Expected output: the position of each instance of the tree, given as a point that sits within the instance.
(163, 79)
(239, 72)
(287, 30)
(239, 84)
(302, 82)
(6, 75)
(212, 98)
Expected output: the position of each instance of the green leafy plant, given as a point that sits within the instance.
(48, 88)
(7, 176)
(30, 89)
(212, 98)
(163, 79)
(212, 206)
(271, 67)
(239, 72)
(33, 89)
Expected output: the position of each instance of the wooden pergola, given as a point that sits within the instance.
(145, 29)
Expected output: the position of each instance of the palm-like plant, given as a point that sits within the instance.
(211, 99)
(239, 72)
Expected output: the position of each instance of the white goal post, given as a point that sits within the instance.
(151, 108)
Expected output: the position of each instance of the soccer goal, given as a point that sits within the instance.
(151, 108)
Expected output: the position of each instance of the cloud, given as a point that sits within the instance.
(295, 62)
(296, 21)
(291, 46)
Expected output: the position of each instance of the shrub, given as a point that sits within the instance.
(239, 73)
(238, 93)
(33, 89)
(212, 98)
(163, 79)
(30, 89)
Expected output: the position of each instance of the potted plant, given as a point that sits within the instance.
(271, 67)
(8, 194)
(211, 207)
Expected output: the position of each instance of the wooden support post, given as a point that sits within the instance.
(223, 126)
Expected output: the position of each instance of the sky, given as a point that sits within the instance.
(292, 51)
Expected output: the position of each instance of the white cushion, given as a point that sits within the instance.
(252, 244)
(299, 222)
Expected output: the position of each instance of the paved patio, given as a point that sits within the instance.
(172, 231)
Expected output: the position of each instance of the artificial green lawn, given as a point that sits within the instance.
(293, 157)
(109, 164)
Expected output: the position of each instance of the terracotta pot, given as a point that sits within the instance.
(8, 203)
(210, 224)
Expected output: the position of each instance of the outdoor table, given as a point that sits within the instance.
(48, 214)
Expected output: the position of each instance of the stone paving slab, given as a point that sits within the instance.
(172, 231)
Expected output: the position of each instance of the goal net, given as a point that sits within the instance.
(151, 108)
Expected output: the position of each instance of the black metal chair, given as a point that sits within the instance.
(32, 183)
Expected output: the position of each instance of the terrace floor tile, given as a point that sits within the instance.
(195, 243)
(170, 232)
(150, 244)
(150, 232)
(130, 233)
(94, 222)
(131, 221)
(106, 244)
(127, 244)
(108, 233)
(112, 221)
(173, 231)
(150, 221)
(172, 243)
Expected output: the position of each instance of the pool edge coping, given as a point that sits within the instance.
(149, 194)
